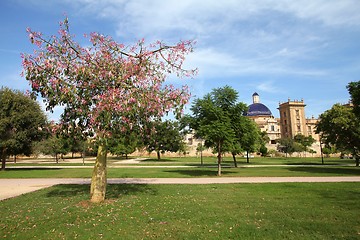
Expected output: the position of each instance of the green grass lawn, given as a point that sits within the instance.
(185, 172)
(226, 211)
(242, 161)
(195, 161)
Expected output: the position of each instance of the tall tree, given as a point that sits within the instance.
(106, 86)
(21, 123)
(213, 117)
(339, 126)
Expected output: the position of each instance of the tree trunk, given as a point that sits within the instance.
(357, 161)
(98, 180)
(219, 164)
(219, 159)
(3, 159)
(247, 156)
(158, 155)
(56, 158)
(234, 158)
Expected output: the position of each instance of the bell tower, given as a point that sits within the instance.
(256, 98)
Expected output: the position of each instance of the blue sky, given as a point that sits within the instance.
(280, 49)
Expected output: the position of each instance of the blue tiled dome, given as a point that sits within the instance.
(258, 109)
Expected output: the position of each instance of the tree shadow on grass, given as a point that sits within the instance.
(159, 161)
(113, 190)
(198, 172)
(332, 170)
(29, 169)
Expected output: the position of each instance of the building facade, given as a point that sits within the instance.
(294, 122)
(263, 117)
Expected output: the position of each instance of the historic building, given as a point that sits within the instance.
(263, 117)
(293, 120)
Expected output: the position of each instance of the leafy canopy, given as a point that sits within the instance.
(108, 85)
(21, 123)
(339, 126)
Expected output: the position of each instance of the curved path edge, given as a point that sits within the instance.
(17, 186)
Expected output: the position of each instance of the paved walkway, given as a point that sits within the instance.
(15, 187)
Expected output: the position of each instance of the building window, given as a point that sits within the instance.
(298, 128)
(309, 129)
(284, 114)
(285, 121)
(272, 128)
(297, 113)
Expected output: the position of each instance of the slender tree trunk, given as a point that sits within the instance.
(3, 159)
(219, 164)
(247, 156)
(357, 161)
(219, 159)
(158, 155)
(99, 180)
(234, 158)
(56, 158)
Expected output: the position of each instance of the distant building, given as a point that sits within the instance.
(293, 120)
(263, 117)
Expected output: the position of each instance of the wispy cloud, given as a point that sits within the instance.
(270, 45)
(268, 87)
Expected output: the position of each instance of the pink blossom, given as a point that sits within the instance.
(108, 82)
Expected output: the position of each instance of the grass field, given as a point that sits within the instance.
(184, 172)
(227, 211)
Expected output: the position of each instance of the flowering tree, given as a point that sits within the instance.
(106, 87)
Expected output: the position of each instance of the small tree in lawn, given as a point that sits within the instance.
(165, 138)
(105, 87)
(251, 139)
(286, 145)
(305, 142)
(123, 144)
(53, 146)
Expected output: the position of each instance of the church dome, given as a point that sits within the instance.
(258, 109)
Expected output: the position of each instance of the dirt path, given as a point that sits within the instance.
(15, 187)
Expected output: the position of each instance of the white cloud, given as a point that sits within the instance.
(268, 87)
